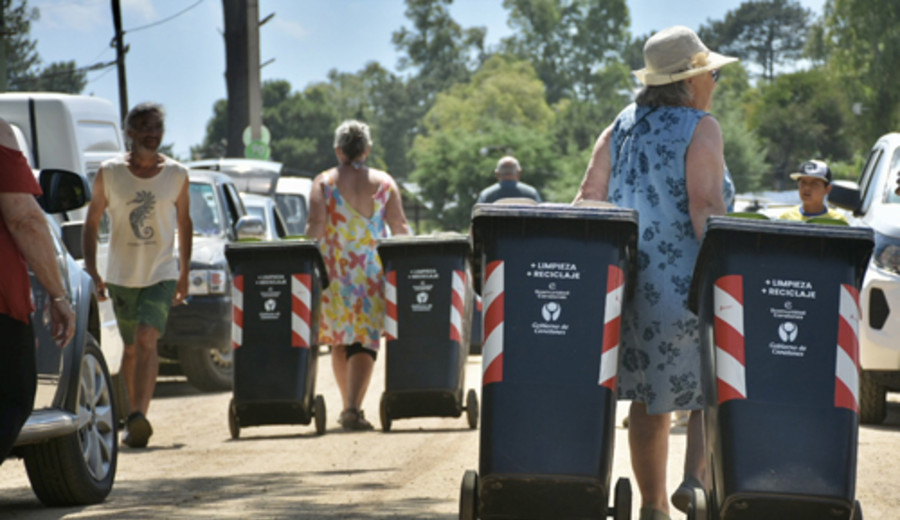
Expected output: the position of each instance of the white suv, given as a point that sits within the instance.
(875, 203)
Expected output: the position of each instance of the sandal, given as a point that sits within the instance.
(681, 498)
(353, 419)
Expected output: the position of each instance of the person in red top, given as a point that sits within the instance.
(25, 240)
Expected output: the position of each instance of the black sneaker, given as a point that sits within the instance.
(137, 431)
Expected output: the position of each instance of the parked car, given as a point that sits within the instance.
(267, 210)
(875, 204)
(290, 188)
(69, 443)
(198, 334)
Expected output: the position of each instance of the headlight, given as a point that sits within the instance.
(887, 253)
(207, 281)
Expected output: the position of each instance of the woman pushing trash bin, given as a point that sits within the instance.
(663, 156)
(351, 208)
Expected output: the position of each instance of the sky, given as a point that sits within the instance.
(176, 51)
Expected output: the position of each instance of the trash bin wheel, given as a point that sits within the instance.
(622, 500)
(234, 424)
(857, 511)
(384, 415)
(468, 496)
(319, 414)
(472, 409)
(698, 510)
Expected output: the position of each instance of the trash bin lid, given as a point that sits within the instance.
(451, 239)
(587, 210)
(243, 251)
(858, 241)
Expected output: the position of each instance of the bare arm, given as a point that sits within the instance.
(705, 173)
(595, 185)
(90, 234)
(394, 214)
(315, 224)
(185, 242)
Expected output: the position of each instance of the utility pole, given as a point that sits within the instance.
(120, 60)
(254, 94)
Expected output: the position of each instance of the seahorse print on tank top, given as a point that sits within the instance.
(145, 201)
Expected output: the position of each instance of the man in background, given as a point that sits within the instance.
(813, 185)
(509, 185)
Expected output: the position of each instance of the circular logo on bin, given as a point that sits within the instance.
(550, 311)
(422, 297)
(269, 305)
(787, 331)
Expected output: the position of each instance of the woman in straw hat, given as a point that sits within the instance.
(663, 156)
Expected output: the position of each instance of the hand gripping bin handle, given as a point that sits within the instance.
(778, 309)
(553, 281)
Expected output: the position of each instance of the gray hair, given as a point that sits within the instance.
(672, 94)
(352, 137)
(141, 110)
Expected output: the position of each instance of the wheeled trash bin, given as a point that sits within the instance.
(552, 281)
(276, 297)
(428, 293)
(778, 305)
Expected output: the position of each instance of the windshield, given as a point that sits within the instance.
(205, 210)
(293, 208)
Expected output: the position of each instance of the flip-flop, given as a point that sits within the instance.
(681, 498)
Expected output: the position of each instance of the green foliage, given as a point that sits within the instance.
(801, 116)
(863, 38)
(767, 32)
(571, 44)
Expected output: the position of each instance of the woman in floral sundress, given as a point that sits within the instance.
(352, 206)
(663, 156)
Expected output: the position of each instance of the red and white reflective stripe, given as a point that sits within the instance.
(301, 305)
(846, 380)
(612, 322)
(457, 304)
(237, 311)
(728, 300)
(390, 299)
(492, 350)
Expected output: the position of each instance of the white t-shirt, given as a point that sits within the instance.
(142, 223)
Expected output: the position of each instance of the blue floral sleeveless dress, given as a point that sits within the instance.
(660, 363)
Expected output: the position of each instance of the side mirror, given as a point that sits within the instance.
(845, 195)
(250, 228)
(63, 191)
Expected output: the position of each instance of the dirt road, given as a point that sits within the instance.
(194, 470)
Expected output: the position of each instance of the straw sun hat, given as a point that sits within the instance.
(677, 53)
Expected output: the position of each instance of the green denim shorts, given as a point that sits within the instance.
(141, 305)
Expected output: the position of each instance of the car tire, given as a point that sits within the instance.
(79, 468)
(208, 369)
(872, 406)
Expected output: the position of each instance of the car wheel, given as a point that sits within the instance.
(79, 468)
(872, 406)
(208, 369)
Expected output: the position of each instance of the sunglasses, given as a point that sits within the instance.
(715, 75)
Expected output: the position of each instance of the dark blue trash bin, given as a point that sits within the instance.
(552, 283)
(429, 298)
(778, 306)
(275, 333)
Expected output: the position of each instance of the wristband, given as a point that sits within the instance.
(60, 299)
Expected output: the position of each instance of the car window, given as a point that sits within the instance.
(256, 211)
(205, 210)
(293, 208)
(233, 203)
(865, 180)
(890, 185)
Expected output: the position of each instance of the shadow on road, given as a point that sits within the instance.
(270, 495)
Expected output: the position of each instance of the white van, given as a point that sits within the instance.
(65, 131)
(289, 189)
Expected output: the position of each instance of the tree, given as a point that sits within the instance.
(575, 45)
(863, 37)
(801, 116)
(501, 111)
(23, 64)
(769, 33)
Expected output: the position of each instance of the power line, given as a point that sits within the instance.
(164, 20)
